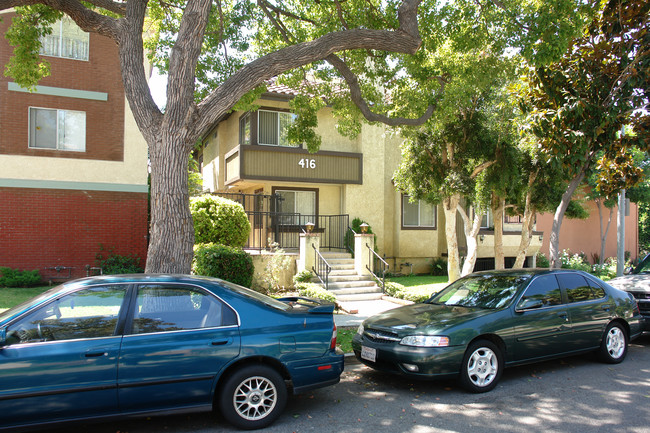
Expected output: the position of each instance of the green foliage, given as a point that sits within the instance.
(392, 289)
(312, 290)
(221, 261)
(219, 220)
(16, 278)
(607, 270)
(396, 290)
(542, 261)
(574, 261)
(113, 264)
(195, 179)
(275, 267)
(438, 266)
(644, 226)
(30, 24)
(356, 226)
(304, 276)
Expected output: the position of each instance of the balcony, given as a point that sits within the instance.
(255, 162)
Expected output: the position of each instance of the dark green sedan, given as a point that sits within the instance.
(486, 321)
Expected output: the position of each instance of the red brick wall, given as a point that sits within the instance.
(104, 119)
(42, 228)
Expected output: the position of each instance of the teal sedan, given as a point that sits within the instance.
(137, 345)
(487, 321)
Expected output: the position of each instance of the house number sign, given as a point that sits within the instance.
(307, 163)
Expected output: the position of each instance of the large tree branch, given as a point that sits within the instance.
(406, 39)
(356, 96)
(87, 19)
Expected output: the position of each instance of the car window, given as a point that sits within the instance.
(577, 288)
(481, 291)
(543, 288)
(162, 308)
(596, 288)
(88, 313)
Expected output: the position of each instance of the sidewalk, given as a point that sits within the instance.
(364, 309)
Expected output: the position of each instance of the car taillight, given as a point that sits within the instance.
(333, 342)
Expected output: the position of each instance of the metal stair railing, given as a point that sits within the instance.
(379, 263)
(322, 268)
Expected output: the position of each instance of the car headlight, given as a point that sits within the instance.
(425, 341)
(360, 329)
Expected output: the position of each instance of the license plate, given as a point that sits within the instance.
(369, 354)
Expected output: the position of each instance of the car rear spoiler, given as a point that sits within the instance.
(314, 305)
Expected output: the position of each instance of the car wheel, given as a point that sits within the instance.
(613, 348)
(482, 366)
(253, 397)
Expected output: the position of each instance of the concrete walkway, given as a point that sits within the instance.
(361, 310)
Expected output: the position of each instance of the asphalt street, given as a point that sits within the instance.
(577, 394)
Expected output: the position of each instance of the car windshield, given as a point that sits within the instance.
(491, 291)
(643, 267)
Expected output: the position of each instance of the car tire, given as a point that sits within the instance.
(482, 366)
(253, 397)
(613, 347)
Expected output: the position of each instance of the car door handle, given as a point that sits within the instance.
(221, 342)
(564, 316)
(95, 354)
(606, 307)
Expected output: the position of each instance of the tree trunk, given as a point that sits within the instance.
(449, 205)
(526, 224)
(603, 233)
(498, 205)
(472, 227)
(172, 230)
(554, 248)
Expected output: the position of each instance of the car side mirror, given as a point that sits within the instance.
(3, 337)
(530, 304)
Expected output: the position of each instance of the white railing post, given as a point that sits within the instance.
(362, 245)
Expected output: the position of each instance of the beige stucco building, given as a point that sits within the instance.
(247, 157)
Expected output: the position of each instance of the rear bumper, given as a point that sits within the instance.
(316, 373)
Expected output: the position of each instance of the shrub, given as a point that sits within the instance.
(542, 261)
(219, 220)
(303, 277)
(607, 271)
(397, 290)
(439, 266)
(278, 263)
(574, 261)
(356, 226)
(221, 261)
(392, 289)
(15, 278)
(112, 263)
(313, 290)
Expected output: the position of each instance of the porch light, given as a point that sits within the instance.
(541, 238)
(310, 226)
(482, 237)
(364, 228)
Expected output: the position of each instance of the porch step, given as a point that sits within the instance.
(345, 283)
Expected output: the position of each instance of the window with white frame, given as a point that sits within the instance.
(273, 128)
(66, 40)
(417, 213)
(487, 220)
(57, 129)
(297, 205)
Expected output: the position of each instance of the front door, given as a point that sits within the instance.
(546, 329)
(61, 361)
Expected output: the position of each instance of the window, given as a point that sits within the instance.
(298, 205)
(543, 288)
(67, 40)
(245, 129)
(273, 128)
(578, 289)
(160, 309)
(487, 220)
(57, 129)
(418, 213)
(89, 313)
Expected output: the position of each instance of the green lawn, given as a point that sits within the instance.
(419, 280)
(11, 296)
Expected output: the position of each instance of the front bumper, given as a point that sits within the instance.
(392, 357)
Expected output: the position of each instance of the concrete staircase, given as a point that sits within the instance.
(344, 282)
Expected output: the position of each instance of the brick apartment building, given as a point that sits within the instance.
(73, 165)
